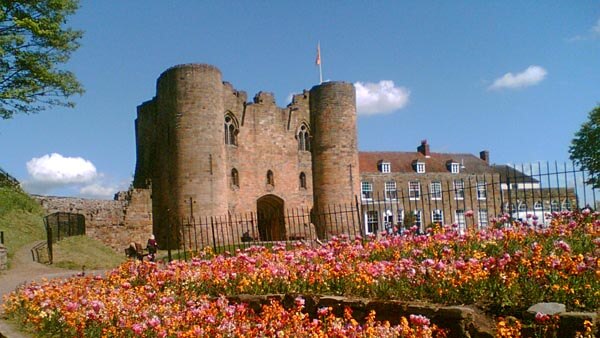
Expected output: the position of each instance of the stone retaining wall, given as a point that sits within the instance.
(460, 321)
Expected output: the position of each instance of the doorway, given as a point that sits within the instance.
(271, 225)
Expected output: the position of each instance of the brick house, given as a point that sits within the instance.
(433, 187)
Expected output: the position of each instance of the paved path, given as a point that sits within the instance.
(24, 270)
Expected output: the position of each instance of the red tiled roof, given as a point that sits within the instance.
(437, 162)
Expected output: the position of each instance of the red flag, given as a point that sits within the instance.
(318, 60)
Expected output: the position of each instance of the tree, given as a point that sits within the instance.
(585, 147)
(33, 44)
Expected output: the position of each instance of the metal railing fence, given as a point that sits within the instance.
(529, 193)
(60, 225)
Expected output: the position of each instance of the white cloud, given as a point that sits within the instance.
(53, 172)
(596, 29)
(380, 98)
(96, 190)
(529, 77)
(59, 170)
(594, 33)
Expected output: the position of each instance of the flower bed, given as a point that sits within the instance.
(503, 270)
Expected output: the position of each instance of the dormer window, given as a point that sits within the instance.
(420, 167)
(384, 167)
(454, 167)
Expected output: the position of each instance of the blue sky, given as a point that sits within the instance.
(514, 77)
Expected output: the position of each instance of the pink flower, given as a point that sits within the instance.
(299, 301)
(469, 213)
(323, 311)
(97, 305)
(541, 318)
(154, 322)
(72, 306)
(419, 320)
(137, 328)
(562, 245)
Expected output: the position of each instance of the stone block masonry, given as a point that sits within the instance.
(116, 223)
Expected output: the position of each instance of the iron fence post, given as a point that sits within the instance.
(169, 257)
(49, 235)
(212, 226)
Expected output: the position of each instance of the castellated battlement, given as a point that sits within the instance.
(204, 150)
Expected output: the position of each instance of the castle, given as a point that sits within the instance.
(204, 150)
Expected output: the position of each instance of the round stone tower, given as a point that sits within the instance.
(334, 149)
(192, 178)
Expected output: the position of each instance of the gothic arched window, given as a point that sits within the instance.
(231, 130)
(303, 137)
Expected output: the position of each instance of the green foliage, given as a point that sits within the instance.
(585, 147)
(33, 43)
(78, 251)
(20, 219)
(11, 199)
(409, 219)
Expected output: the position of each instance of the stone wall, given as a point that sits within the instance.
(116, 223)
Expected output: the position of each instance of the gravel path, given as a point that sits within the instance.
(24, 270)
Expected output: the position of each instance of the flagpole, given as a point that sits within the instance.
(318, 62)
(320, 74)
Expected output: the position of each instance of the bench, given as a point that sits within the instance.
(135, 250)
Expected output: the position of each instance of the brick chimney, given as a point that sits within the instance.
(485, 156)
(424, 148)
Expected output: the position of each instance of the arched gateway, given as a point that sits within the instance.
(271, 225)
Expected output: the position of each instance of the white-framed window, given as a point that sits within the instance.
(414, 190)
(538, 205)
(367, 190)
(483, 218)
(437, 216)
(386, 167)
(454, 168)
(435, 190)
(400, 217)
(388, 221)
(419, 219)
(420, 167)
(554, 206)
(459, 189)
(372, 221)
(481, 190)
(390, 190)
(459, 218)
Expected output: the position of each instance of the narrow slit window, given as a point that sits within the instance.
(302, 181)
(235, 178)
